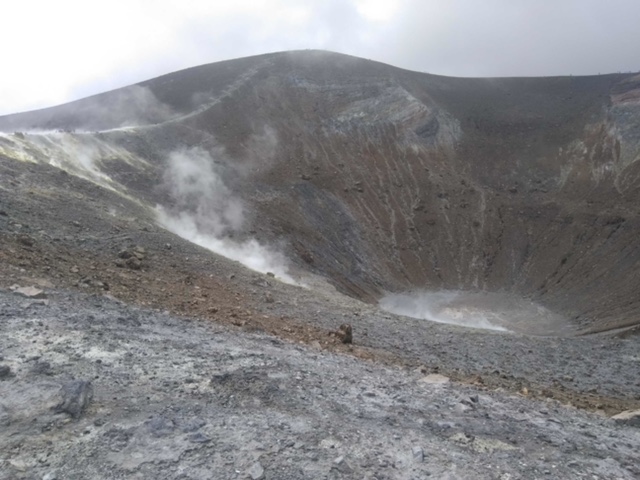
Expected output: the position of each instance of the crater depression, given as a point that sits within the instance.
(513, 201)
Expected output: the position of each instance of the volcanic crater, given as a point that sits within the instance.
(442, 276)
(386, 181)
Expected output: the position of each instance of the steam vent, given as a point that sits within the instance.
(514, 200)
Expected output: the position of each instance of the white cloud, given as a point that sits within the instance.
(57, 51)
(378, 10)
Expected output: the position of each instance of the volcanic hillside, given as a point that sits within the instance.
(380, 179)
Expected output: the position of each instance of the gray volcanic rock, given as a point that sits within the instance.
(193, 399)
(629, 417)
(76, 396)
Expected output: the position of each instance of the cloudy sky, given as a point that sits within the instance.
(56, 51)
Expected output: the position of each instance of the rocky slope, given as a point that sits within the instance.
(98, 389)
(387, 180)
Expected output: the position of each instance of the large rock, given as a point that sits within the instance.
(434, 379)
(628, 417)
(30, 292)
(76, 396)
(5, 418)
(5, 371)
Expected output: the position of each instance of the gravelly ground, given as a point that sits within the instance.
(186, 398)
(600, 366)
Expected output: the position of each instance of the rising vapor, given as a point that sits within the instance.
(206, 212)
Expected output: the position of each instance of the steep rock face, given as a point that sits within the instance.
(384, 179)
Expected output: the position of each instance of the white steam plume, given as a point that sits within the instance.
(206, 213)
(446, 306)
(200, 195)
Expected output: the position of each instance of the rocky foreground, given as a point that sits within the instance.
(135, 354)
(94, 388)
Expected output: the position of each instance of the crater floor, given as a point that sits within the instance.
(485, 310)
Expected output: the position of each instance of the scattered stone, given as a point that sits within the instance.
(5, 372)
(418, 454)
(481, 445)
(160, 427)
(18, 464)
(268, 298)
(76, 396)
(50, 476)
(43, 283)
(330, 442)
(25, 240)
(38, 302)
(99, 284)
(307, 257)
(271, 274)
(345, 333)
(256, 472)
(434, 379)
(42, 368)
(133, 263)
(5, 418)
(198, 438)
(30, 292)
(630, 418)
(193, 425)
(341, 465)
(74, 269)
(124, 254)
(462, 408)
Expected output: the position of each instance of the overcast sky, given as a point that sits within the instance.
(59, 50)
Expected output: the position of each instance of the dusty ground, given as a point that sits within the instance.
(179, 397)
